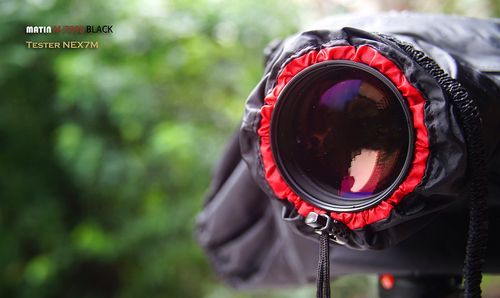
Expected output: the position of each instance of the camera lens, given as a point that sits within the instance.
(341, 135)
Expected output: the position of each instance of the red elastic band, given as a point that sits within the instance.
(371, 57)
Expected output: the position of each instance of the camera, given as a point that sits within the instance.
(381, 135)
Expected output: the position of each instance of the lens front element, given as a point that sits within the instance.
(341, 135)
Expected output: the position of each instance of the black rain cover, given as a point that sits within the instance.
(241, 226)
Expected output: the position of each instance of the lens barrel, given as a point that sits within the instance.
(342, 135)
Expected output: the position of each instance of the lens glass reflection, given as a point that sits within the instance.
(350, 135)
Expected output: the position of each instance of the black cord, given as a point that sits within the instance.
(323, 278)
(471, 123)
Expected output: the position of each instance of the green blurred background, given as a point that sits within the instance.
(105, 154)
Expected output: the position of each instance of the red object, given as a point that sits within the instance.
(387, 281)
(371, 57)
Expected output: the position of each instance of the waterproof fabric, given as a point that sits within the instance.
(242, 227)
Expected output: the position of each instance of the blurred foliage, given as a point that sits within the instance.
(105, 154)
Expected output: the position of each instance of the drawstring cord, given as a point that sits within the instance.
(323, 277)
(324, 226)
(328, 230)
(470, 120)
